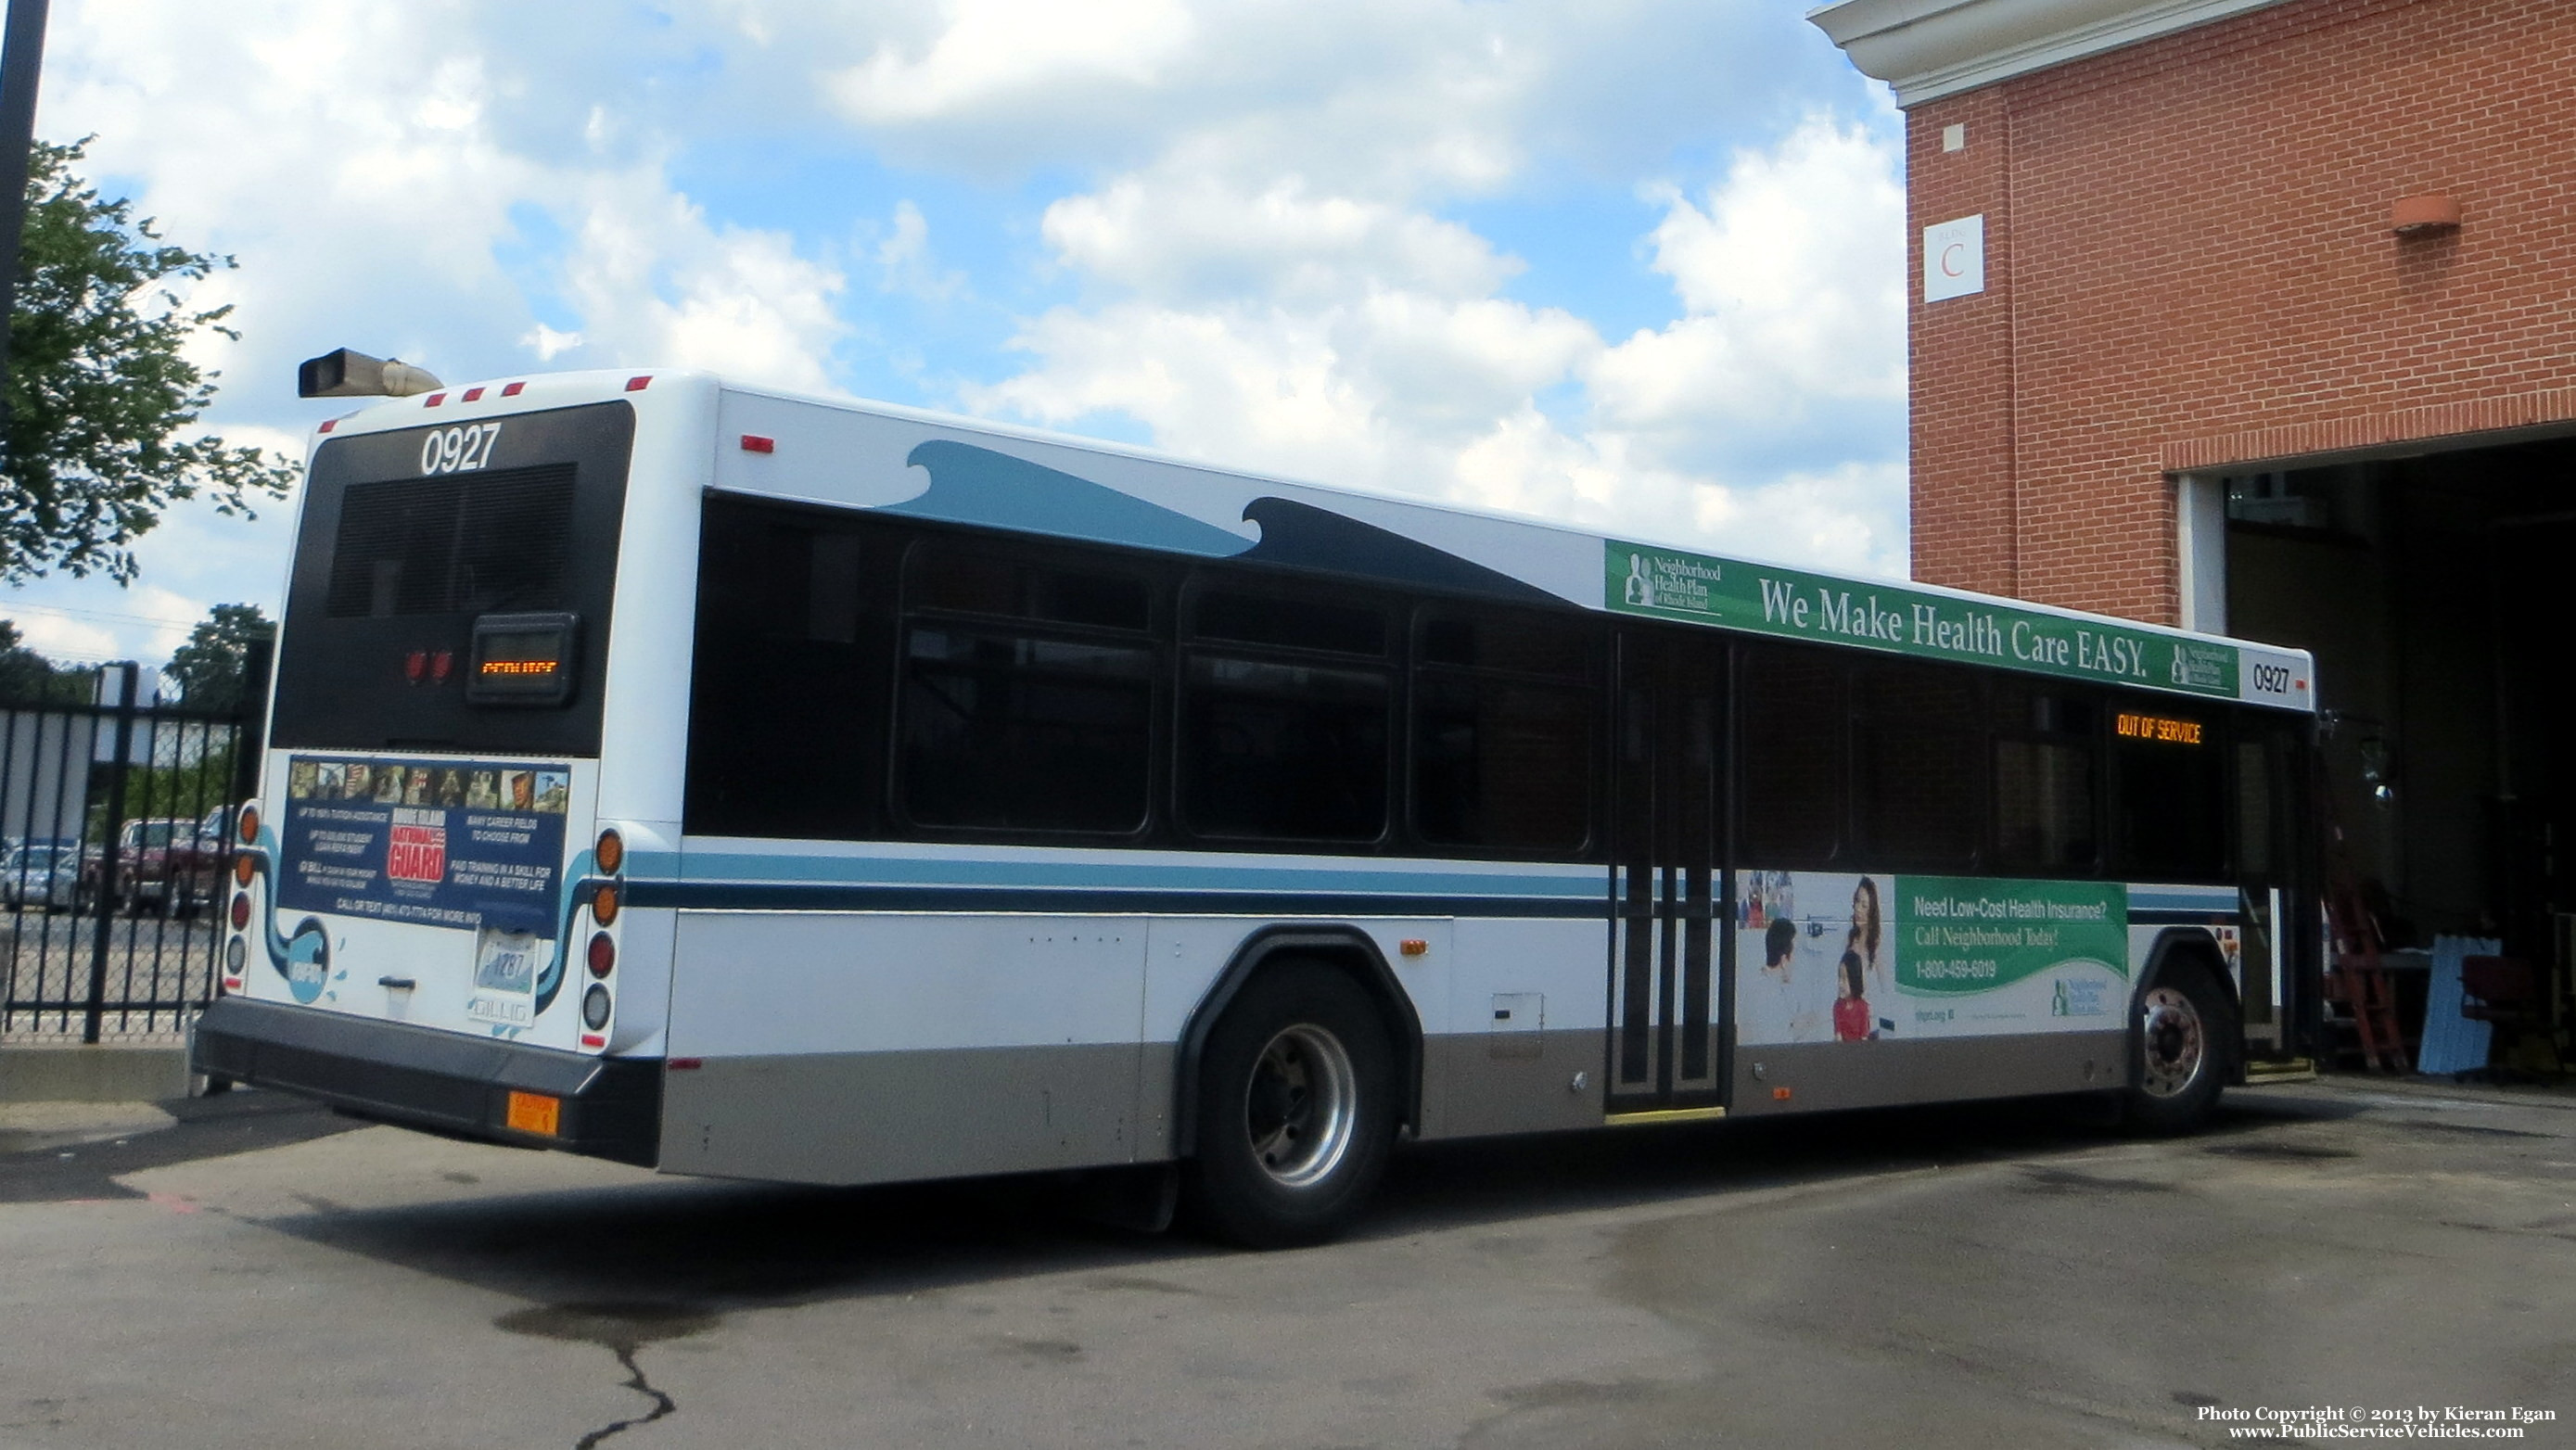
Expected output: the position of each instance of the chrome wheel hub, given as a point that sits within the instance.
(1302, 1105)
(2177, 1044)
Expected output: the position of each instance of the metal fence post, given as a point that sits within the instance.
(94, 1016)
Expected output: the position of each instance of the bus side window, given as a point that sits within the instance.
(1036, 712)
(1285, 699)
(2047, 746)
(2255, 807)
(2169, 774)
(1789, 734)
(787, 634)
(1918, 767)
(1503, 711)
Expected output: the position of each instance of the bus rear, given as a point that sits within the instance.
(426, 924)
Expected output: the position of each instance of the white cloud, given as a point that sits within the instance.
(656, 283)
(904, 259)
(1360, 340)
(1182, 231)
(1791, 276)
(1002, 48)
(63, 638)
(549, 344)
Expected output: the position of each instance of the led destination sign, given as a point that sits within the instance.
(522, 659)
(2163, 728)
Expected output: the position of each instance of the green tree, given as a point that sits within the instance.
(27, 677)
(212, 668)
(99, 390)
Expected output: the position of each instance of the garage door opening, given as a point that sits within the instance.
(2435, 594)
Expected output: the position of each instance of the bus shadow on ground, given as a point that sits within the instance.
(709, 1248)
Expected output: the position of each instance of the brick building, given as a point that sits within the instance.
(2259, 316)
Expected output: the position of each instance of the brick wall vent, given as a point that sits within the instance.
(2416, 216)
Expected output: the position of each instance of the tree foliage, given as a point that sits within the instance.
(99, 388)
(28, 678)
(212, 670)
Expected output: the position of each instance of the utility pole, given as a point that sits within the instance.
(22, 55)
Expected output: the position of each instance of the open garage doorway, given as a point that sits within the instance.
(2438, 594)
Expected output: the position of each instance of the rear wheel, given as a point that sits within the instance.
(2181, 1041)
(1296, 1100)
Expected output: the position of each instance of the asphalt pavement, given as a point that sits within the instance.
(249, 1271)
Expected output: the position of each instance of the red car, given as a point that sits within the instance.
(168, 863)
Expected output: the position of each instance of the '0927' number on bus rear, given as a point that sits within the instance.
(459, 450)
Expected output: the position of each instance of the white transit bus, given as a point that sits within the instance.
(750, 785)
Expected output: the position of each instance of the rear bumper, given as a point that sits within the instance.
(439, 1081)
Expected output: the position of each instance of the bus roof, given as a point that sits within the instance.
(916, 463)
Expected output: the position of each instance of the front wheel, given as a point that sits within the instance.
(2181, 1042)
(1296, 1110)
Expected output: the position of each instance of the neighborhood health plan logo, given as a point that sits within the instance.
(2078, 997)
(1670, 584)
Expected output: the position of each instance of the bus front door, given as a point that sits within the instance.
(1665, 1015)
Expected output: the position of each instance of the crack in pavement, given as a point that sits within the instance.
(662, 1404)
(622, 1329)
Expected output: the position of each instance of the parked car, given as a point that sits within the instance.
(167, 864)
(42, 874)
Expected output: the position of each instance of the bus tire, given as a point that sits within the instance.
(2180, 1040)
(1296, 1110)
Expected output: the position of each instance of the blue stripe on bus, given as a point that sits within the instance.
(708, 868)
(827, 896)
(2203, 899)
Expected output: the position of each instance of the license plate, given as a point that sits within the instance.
(506, 961)
(535, 1113)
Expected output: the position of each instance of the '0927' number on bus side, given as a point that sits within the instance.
(459, 450)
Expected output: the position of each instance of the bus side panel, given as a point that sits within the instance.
(1795, 1077)
(1521, 1048)
(869, 1047)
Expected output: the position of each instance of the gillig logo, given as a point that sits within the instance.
(418, 853)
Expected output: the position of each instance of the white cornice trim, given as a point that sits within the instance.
(1928, 49)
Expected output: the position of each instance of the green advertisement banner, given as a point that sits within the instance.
(1669, 584)
(1957, 935)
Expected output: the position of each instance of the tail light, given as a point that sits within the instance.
(603, 954)
(241, 911)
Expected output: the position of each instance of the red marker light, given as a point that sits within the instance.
(433, 400)
(440, 664)
(327, 425)
(754, 443)
(639, 384)
(414, 664)
(512, 390)
(593, 1039)
(472, 395)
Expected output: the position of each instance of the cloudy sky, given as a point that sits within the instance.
(1630, 263)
